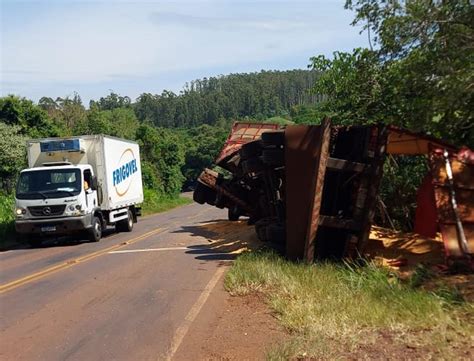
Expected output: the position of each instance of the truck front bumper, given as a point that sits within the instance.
(53, 226)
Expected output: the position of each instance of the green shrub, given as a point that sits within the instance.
(7, 204)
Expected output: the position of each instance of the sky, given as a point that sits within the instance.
(55, 48)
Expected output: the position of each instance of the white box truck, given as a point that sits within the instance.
(78, 185)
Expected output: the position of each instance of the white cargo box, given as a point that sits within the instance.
(115, 161)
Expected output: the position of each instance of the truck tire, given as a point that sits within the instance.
(260, 229)
(221, 201)
(274, 157)
(233, 213)
(199, 194)
(251, 149)
(33, 241)
(203, 194)
(95, 233)
(126, 225)
(273, 139)
(252, 165)
(276, 233)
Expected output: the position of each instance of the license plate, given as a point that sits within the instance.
(48, 229)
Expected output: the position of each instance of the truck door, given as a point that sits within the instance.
(90, 194)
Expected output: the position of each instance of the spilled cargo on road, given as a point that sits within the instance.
(312, 190)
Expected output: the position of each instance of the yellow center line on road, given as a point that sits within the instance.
(71, 262)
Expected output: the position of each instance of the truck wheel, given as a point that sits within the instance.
(34, 242)
(95, 233)
(126, 225)
(251, 149)
(252, 165)
(273, 139)
(234, 213)
(276, 233)
(261, 232)
(221, 201)
(199, 194)
(203, 194)
(274, 157)
(211, 196)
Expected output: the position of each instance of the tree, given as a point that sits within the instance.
(235, 96)
(72, 112)
(95, 122)
(203, 144)
(111, 101)
(163, 152)
(426, 58)
(123, 122)
(354, 88)
(30, 118)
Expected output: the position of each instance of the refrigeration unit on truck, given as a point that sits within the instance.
(78, 186)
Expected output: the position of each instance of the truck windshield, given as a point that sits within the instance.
(49, 183)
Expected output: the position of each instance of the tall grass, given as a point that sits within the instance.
(329, 305)
(7, 204)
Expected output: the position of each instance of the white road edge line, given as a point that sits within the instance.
(148, 250)
(182, 330)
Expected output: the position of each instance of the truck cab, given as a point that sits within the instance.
(56, 200)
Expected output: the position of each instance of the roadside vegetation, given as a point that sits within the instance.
(7, 203)
(155, 203)
(335, 311)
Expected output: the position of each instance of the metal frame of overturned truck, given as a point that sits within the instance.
(311, 190)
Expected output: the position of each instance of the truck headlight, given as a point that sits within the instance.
(20, 211)
(75, 209)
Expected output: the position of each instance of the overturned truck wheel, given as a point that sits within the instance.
(234, 213)
(251, 149)
(203, 194)
(276, 233)
(252, 165)
(273, 139)
(274, 157)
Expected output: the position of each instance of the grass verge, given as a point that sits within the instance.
(337, 311)
(155, 203)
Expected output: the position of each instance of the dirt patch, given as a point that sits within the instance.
(247, 329)
(242, 328)
(388, 346)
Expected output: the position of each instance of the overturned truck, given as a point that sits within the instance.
(311, 190)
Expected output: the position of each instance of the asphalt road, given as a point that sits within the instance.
(131, 296)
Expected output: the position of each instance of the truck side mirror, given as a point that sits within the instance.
(94, 185)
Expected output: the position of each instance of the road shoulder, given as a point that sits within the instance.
(231, 328)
